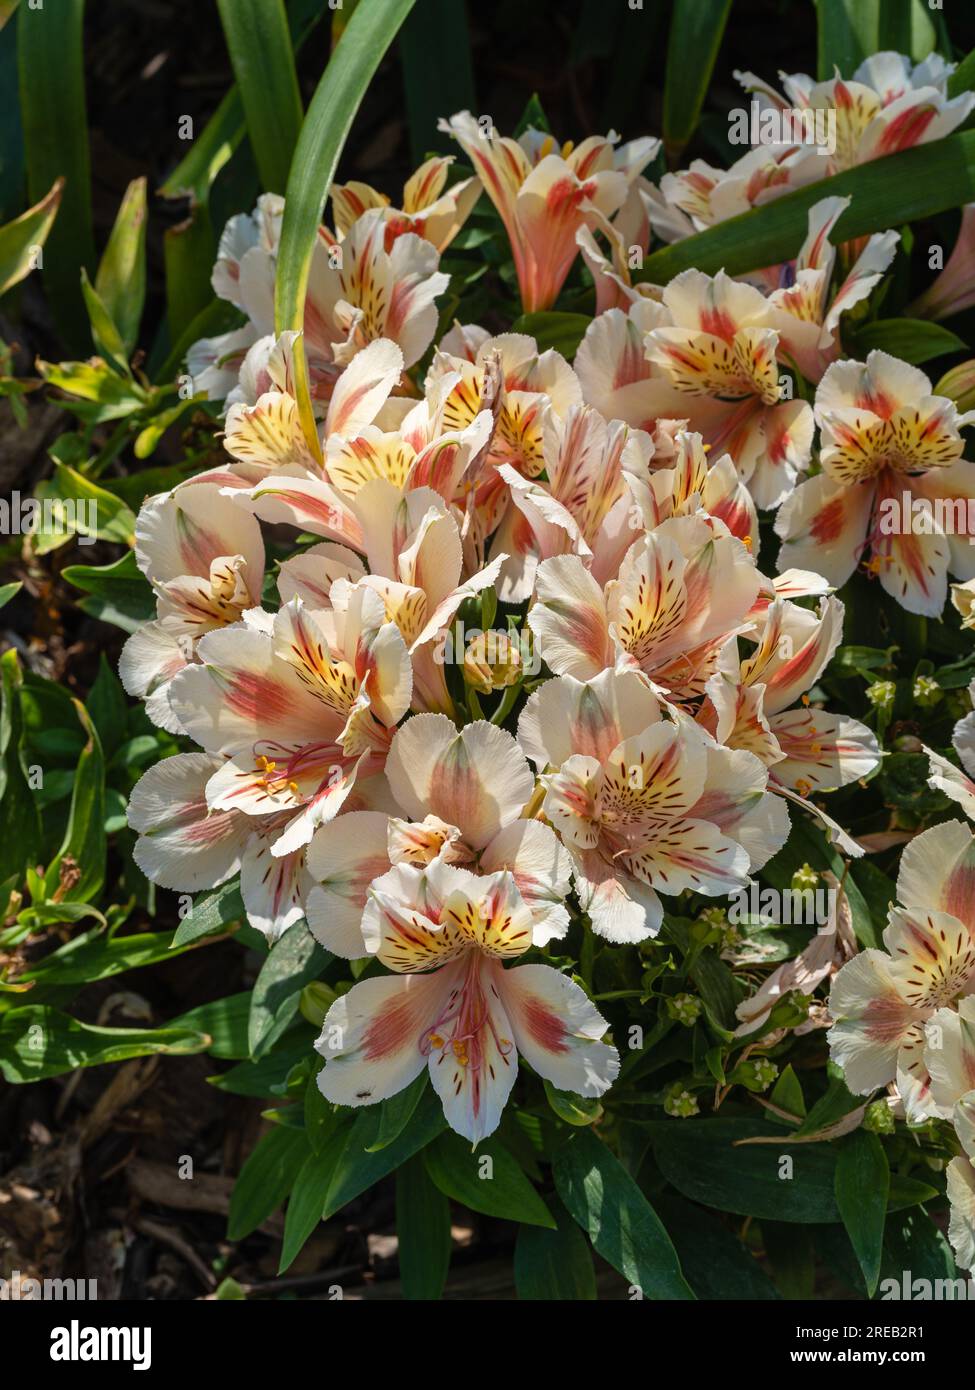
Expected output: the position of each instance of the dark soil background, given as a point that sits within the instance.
(88, 1162)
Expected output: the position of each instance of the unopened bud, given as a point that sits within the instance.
(492, 661)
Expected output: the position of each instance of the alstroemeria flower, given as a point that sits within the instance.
(888, 105)
(886, 441)
(299, 705)
(453, 1008)
(522, 388)
(544, 194)
(947, 778)
(358, 292)
(721, 346)
(428, 207)
(204, 558)
(881, 1000)
(682, 589)
(804, 313)
(416, 565)
(689, 200)
(749, 699)
(243, 276)
(697, 482)
(954, 287)
(960, 1175)
(185, 845)
(461, 795)
(643, 805)
(628, 233)
(585, 505)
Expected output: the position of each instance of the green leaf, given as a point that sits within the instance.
(225, 1023)
(265, 1180)
(700, 1158)
(208, 153)
(696, 28)
(188, 257)
(435, 47)
(908, 1192)
(118, 593)
(51, 57)
(715, 1262)
(554, 1264)
(848, 32)
(397, 1111)
(575, 1110)
(913, 1242)
(787, 1093)
(20, 238)
(906, 26)
(422, 1230)
(37, 1042)
(622, 1225)
(485, 1179)
(912, 340)
(900, 188)
(308, 1197)
(121, 279)
(95, 956)
(217, 910)
(359, 1168)
(84, 840)
(260, 52)
(552, 328)
(293, 960)
(20, 826)
(108, 707)
(103, 515)
(9, 591)
(105, 336)
(862, 1183)
(364, 40)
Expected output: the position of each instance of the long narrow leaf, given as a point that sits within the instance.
(19, 238)
(187, 251)
(437, 74)
(696, 30)
(848, 30)
(121, 278)
(365, 39)
(885, 193)
(52, 103)
(264, 66)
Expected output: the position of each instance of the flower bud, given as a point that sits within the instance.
(881, 694)
(684, 1008)
(927, 691)
(879, 1118)
(492, 661)
(680, 1102)
(755, 1074)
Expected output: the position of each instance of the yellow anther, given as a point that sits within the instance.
(816, 749)
(746, 542)
(293, 788)
(803, 787)
(567, 148)
(546, 147)
(436, 1040)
